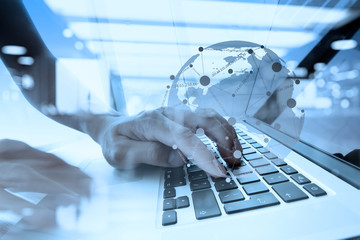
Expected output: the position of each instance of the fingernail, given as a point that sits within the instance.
(219, 167)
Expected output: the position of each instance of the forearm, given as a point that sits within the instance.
(91, 124)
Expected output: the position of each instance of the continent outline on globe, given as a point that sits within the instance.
(237, 79)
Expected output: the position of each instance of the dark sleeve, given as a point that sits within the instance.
(17, 28)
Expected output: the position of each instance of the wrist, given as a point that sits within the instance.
(96, 125)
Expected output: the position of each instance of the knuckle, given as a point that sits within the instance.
(115, 158)
(207, 113)
(154, 152)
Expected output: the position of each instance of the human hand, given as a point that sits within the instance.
(25, 169)
(166, 137)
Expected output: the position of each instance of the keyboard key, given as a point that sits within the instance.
(288, 169)
(245, 146)
(248, 178)
(169, 192)
(169, 204)
(200, 184)
(270, 155)
(177, 182)
(242, 170)
(223, 185)
(263, 150)
(217, 179)
(289, 192)
(256, 145)
(314, 190)
(275, 178)
(246, 137)
(205, 204)
(231, 195)
(300, 179)
(193, 168)
(174, 173)
(257, 201)
(251, 141)
(278, 162)
(169, 218)
(259, 163)
(254, 188)
(252, 156)
(248, 151)
(182, 202)
(266, 170)
(197, 176)
(238, 131)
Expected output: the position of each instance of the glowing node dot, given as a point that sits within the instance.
(230, 71)
(232, 121)
(174, 147)
(190, 65)
(268, 93)
(251, 72)
(168, 86)
(291, 103)
(79, 45)
(185, 101)
(188, 165)
(67, 33)
(266, 140)
(277, 126)
(302, 110)
(276, 67)
(297, 81)
(204, 80)
(262, 46)
(227, 179)
(200, 131)
(172, 77)
(201, 49)
(233, 95)
(237, 154)
(250, 51)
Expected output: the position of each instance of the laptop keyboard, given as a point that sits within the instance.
(246, 188)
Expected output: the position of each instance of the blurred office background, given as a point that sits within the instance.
(125, 51)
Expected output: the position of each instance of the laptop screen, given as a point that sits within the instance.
(328, 94)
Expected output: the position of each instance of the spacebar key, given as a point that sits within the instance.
(256, 201)
(205, 204)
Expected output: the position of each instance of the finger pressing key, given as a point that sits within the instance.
(153, 126)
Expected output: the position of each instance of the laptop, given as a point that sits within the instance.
(284, 189)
